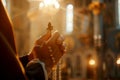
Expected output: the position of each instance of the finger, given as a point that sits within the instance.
(44, 38)
(54, 37)
(60, 40)
(63, 48)
(56, 54)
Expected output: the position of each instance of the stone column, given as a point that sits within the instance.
(97, 7)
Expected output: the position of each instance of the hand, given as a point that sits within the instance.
(49, 48)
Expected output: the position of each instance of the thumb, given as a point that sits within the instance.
(54, 37)
(44, 38)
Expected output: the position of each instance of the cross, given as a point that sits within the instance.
(50, 28)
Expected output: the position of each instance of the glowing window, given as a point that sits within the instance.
(119, 10)
(69, 18)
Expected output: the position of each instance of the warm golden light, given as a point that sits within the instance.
(97, 7)
(57, 5)
(41, 5)
(49, 7)
(92, 62)
(49, 4)
(118, 61)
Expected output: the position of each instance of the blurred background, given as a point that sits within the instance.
(90, 27)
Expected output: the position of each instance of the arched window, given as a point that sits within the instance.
(119, 12)
(69, 18)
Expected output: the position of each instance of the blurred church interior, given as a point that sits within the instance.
(91, 31)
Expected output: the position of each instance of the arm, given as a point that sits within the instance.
(48, 49)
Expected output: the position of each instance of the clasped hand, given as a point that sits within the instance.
(49, 48)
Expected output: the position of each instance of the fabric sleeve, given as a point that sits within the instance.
(24, 60)
(35, 70)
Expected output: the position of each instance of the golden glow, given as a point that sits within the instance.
(49, 3)
(92, 62)
(41, 5)
(97, 7)
(57, 5)
(49, 7)
(118, 61)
